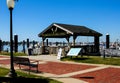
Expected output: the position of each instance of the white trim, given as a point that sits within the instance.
(63, 28)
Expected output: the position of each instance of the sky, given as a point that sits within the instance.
(30, 17)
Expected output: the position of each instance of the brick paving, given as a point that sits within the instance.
(4, 57)
(5, 61)
(62, 68)
(106, 75)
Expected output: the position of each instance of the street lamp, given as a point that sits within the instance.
(12, 73)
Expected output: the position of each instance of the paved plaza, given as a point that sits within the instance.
(71, 72)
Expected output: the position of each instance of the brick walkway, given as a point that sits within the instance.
(75, 71)
(62, 68)
(107, 75)
(4, 60)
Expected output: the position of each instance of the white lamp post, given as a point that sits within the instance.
(10, 4)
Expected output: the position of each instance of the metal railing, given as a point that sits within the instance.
(111, 52)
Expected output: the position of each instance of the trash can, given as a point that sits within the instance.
(30, 50)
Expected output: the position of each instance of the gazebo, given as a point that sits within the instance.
(58, 30)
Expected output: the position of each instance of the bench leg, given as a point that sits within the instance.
(19, 66)
(29, 69)
(37, 69)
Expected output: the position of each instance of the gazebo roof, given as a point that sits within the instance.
(58, 30)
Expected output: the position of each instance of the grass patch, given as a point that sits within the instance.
(94, 60)
(15, 54)
(26, 75)
(5, 71)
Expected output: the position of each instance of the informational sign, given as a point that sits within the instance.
(59, 53)
(74, 52)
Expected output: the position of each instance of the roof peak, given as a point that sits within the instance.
(66, 24)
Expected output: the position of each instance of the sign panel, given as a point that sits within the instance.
(74, 51)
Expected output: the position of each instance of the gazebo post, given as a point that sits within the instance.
(96, 42)
(43, 46)
(67, 38)
(47, 42)
(74, 38)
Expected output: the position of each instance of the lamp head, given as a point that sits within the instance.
(10, 4)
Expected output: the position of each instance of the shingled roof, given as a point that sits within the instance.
(58, 30)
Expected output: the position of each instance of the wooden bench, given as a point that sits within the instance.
(26, 62)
